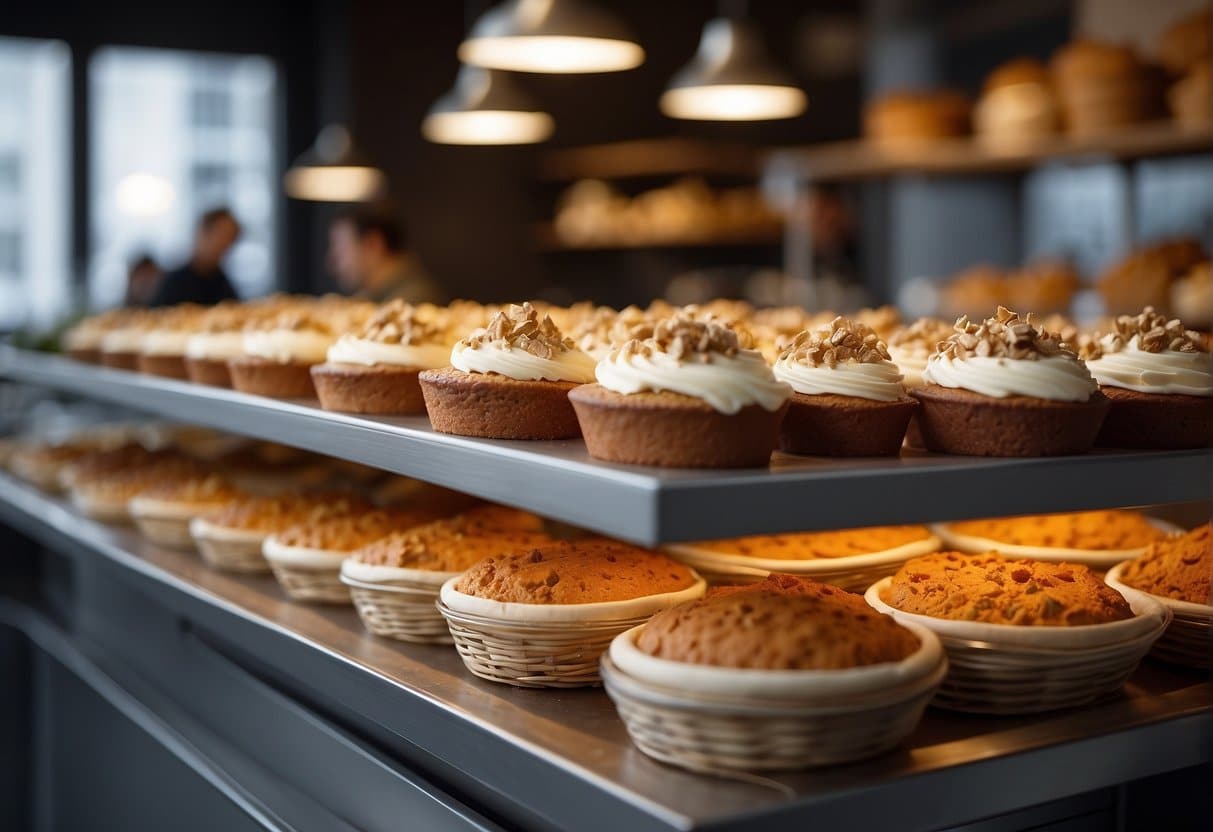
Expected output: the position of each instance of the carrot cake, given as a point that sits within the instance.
(815, 545)
(1111, 529)
(1179, 568)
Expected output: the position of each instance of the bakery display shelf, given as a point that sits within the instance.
(860, 159)
(564, 756)
(547, 240)
(671, 156)
(650, 505)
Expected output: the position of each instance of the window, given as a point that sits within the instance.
(35, 128)
(174, 134)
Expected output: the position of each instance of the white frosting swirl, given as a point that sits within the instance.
(305, 346)
(727, 383)
(911, 362)
(879, 381)
(517, 363)
(1057, 378)
(126, 339)
(215, 346)
(164, 342)
(1165, 372)
(350, 349)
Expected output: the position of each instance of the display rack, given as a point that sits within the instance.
(671, 156)
(562, 759)
(546, 239)
(651, 505)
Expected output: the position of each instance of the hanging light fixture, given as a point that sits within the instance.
(484, 107)
(556, 36)
(731, 78)
(332, 170)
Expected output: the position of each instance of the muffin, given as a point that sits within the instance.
(910, 347)
(82, 341)
(1159, 379)
(847, 399)
(542, 617)
(1179, 568)
(164, 511)
(1099, 539)
(218, 338)
(120, 343)
(162, 348)
(786, 673)
(376, 369)
(1018, 105)
(1006, 388)
(277, 357)
(901, 118)
(690, 396)
(509, 381)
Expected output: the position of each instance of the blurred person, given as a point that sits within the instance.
(368, 256)
(202, 279)
(142, 279)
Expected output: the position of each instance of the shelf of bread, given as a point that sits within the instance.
(672, 156)
(770, 234)
(559, 479)
(958, 156)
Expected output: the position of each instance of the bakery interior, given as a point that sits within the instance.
(572, 414)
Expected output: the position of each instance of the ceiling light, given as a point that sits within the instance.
(144, 195)
(485, 108)
(731, 78)
(551, 36)
(332, 170)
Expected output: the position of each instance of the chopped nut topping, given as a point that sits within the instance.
(397, 322)
(685, 339)
(1154, 333)
(843, 341)
(1006, 335)
(521, 326)
(921, 336)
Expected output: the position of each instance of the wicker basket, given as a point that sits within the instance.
(562, 651)
(715, 732)
(1004, 669)
(854, 573)
(173, 532)
(1188, 639)
(229, 549)
(1095, 559)
(96, 508)
(306, 575)
(404, 610)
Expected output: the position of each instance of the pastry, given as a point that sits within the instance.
(163, 512)
(1144, 277)
(911, 346)
(1102, 86)
(120, 343)
(106, 494)
(690, 396)
(1179, 568)
(1186, 42)
(1046, 287)
(1159, 379)
(509, 381)
(908, 117)
(1189, 97)
(376, 369)
(1192, 297)
(1006, 388)
(82, 341)
(978, 287)
(277, 357)
(1018, 105)
(218, 338)
(848, 399)
(162, 347)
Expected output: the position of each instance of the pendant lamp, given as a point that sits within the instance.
(485, 108)
(332, 170)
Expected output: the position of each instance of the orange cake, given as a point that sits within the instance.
(348, 531)
(996, 590)
(783, 623)
(271, 514)
(456, 543)
(576, 572)
(1178, 568)
(1095, 530)
(814, 545)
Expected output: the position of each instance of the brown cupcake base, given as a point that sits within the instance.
(382, 389)
(829, 425)
(673, 431)
(289, 380)
(954, 421)
(209, 371)
(88, 356)
(496, 407)
(1156, 421)
(167, 366)
(120, 360)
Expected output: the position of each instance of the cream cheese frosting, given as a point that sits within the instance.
(125, 339)
(1167, 372)
(911, 363)
(879, 381)
(307, 346)
(1056, 378)
(215, 346)
(164, 342)
(518, 344)
(350, 349)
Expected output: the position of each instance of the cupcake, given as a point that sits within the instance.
(1159, 379)
(784, 674)
(848, 399)
(1005, 388)
(376, 369)
(162, 348)
(277, 357)
(164, 511)
(690, 396)
(219, 338)
(83, 340)
(542, 617)
(120, 344)
(911, 346)
(509, 381)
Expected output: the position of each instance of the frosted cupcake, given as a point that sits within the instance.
(1159, 378)
(278, 355)
(688, 397)
(848, 399)
(911, 346)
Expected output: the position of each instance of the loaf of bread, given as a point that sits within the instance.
(1178, 568)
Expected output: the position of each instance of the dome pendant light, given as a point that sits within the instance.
(485, 108)
(731, 78)
(332, 170)
(550, 36)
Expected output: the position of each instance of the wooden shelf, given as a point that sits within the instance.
(547, 240)
(862, 159)
(650, 157)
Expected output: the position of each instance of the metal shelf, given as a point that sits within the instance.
(564, 756)
(650, 505)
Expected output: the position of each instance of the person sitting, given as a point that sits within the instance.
(202, 279)
(369, 258)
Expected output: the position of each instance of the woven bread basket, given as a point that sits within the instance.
(1188, 639)
(231, 550)
(307, 574)
(401, 608)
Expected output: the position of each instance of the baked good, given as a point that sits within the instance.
(1189, 97)
(782, 623)
(1192, 297)
(509, 381)
(982, 286)
(82, 341)
(1103, 86)
(105, 493)
(277, 358)
(1006, 388)
(219, 337)
(1018, 105)
(690, 396)
(1186, 42)
(911, 346)
(993, 589)
(908, 117)
(162, 347)
(1159, 379)
(1178, 567)
(1144, 277)
(375, 370)
(1108, 529)
(1046, 287)
(817, 545)
(120, 343)
(163, 511)
(847, 399)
